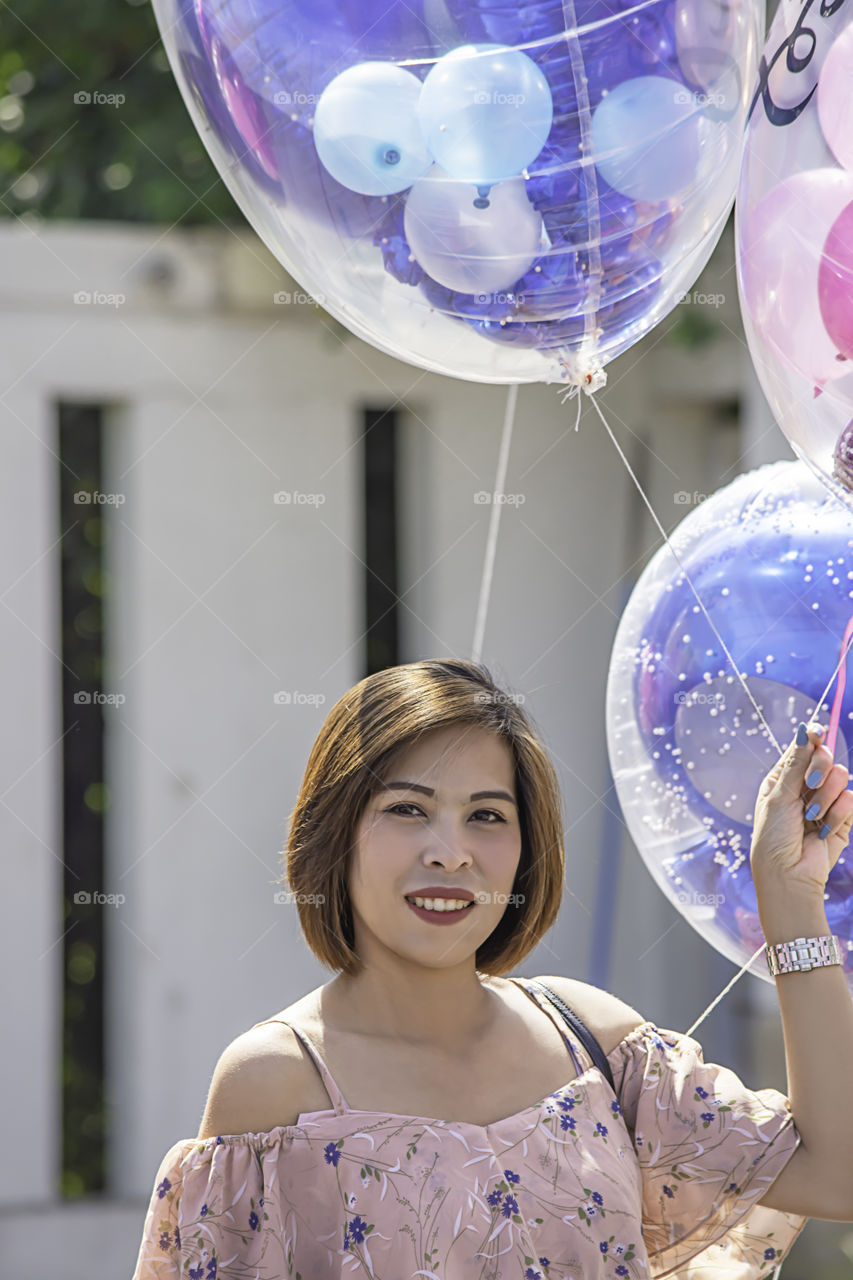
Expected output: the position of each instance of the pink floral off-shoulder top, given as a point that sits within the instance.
(660, 1178)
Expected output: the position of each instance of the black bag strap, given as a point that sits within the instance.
(580, 1029)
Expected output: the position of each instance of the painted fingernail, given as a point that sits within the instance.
(813, 810)
(802, 735)
(824, 831)
(814, 778)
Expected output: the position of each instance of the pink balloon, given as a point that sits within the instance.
(780, 255)
(835, 282)
(835, 98)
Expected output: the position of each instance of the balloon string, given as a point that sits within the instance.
(686, 574)
(726, 988)
(841, 669)
(494, 521)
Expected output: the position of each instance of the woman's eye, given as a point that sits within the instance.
(406, 804)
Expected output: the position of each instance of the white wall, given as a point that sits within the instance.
(222, 597)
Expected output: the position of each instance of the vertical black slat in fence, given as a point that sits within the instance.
(381, 625)
(84, 796)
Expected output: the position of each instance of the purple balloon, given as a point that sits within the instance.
(771, 558)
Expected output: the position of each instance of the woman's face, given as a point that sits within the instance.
(408, 841)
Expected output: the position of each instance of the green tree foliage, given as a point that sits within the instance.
(139, 160)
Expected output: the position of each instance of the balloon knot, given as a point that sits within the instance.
(594, 380)
(583, 373)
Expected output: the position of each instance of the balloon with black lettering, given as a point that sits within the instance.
(794, 233)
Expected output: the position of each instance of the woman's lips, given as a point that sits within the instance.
(440, 917)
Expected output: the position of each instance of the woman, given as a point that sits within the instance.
(421, 1114)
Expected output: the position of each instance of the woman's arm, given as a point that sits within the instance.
(790, 868)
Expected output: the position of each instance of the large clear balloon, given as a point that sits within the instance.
(619, 123)
(793, 227)
(771, 558)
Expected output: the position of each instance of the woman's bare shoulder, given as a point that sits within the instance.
(609, 1019)
(262, 1078)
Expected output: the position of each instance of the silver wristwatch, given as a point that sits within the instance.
(802, 954)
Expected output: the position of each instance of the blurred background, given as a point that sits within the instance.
(219, 511)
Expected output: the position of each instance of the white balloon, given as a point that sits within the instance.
(466, 248)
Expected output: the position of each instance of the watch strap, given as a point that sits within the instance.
(802, 954)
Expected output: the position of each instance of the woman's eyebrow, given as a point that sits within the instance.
(428, 791)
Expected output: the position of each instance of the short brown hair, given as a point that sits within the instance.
(380, 716)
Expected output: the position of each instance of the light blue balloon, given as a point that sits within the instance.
(648, 135)
(468, 248)
(485, 111)
(366, 129)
